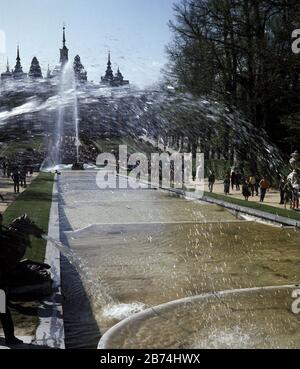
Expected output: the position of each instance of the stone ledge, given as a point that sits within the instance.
(253, 212)
(50, 331)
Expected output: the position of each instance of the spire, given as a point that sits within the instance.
(110, 79)
(119, 77)
(64, 36)
(18, 71)
(6, 75)
(109, 74)
(64, 52)
(18, 53)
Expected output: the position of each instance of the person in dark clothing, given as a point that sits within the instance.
(8, 328)
(23, 174)
(227, 184)
(211, 182)
(8, 170)
(282, 184)
(16, 178)
(246, 190)
(233, 180)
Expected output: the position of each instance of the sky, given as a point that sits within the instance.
(136, 32)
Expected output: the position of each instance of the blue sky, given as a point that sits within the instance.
(136, 31)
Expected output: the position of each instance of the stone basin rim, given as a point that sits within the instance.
(105, 339)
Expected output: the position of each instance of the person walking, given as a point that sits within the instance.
(16, 179)
(264, 186)
(227, 184)
(282, 186)
(233, 179)
(8, 170)
(296, 197)
(211, 181)
(23, 174)
(245, 190)
(252, 184)
(238, 181)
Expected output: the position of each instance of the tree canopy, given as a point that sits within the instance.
(239, 51)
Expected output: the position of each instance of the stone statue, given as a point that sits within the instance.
(294, 177)
(16, 273)
(22, 280)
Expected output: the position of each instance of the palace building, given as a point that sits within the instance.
(113, 80)
(35, 72)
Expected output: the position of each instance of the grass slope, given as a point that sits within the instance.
(257, 206)
(36, 202)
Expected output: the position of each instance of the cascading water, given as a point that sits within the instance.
(67, 109)
(96, 290)
(154, 114)
(149, 248)
(76, 120)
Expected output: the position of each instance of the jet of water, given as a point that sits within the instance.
(69, 101)
(97, 291)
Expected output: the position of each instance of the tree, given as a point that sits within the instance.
(239, 51)
(35, 69)
(80, 73)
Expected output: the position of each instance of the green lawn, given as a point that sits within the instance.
(36, 202)
(291, 214)
(15, 146)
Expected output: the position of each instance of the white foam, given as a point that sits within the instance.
(123, 311)
(229, 338)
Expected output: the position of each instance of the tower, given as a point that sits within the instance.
(108, 79)
(18, 71)
(64, 52)
(6, 75)
(119, 77)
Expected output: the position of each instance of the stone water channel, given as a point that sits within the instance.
(143, 248)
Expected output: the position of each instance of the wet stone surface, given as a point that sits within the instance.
(145, 247)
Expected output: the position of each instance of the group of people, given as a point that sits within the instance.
(251, 186)
(255, 186)
(289, 194)
(17, 174)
